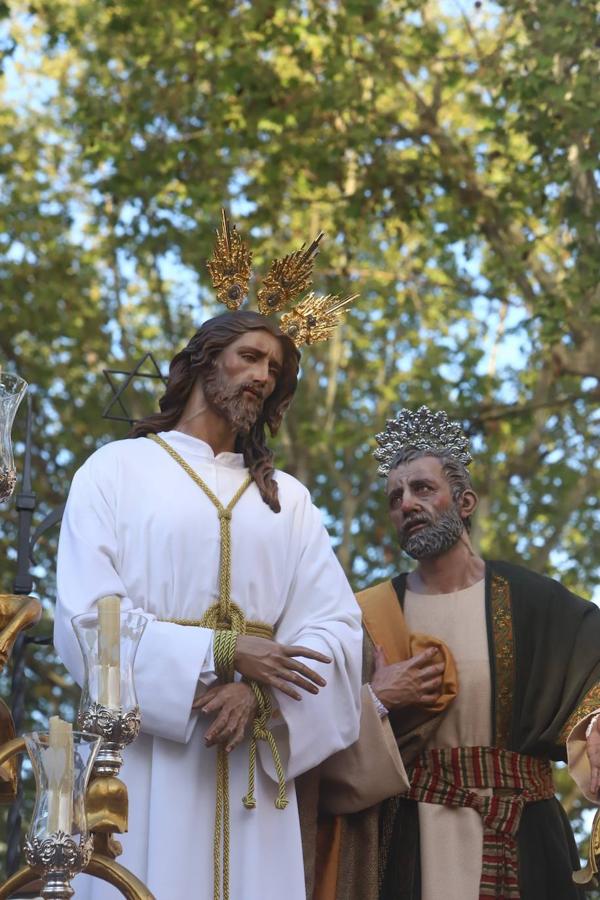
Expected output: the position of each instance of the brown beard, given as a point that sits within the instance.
(230, 402)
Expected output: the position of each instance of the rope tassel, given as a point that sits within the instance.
(260, 732)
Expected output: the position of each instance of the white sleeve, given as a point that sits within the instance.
(367, 772)
(171, 658)
(321, 613)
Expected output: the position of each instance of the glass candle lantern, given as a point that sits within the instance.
(109, 706)
(58, 844)
(12, 391)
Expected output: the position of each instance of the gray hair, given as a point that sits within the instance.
(455, 472)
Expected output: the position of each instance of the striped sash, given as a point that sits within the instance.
(449, 775)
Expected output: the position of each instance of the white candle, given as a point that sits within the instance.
(109, 651)
(58, 763)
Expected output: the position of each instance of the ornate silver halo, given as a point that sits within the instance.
(424, 430)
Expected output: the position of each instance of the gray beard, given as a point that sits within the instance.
(241, 413)
(435, 539)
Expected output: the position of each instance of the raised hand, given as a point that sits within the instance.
(593, 752)
(275, 665)
(414, 682)
(235, 705)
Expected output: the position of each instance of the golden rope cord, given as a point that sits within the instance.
(228, 620)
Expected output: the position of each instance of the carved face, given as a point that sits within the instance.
(428, 519)
(243, 377)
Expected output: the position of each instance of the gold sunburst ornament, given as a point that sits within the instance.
(314, 318)
(287, 278)
(230, 266)
(305, 321)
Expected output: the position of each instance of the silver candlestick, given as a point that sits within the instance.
(117, 728)
(108, 706)
(59, 857)
(12, 391)
(58, 844)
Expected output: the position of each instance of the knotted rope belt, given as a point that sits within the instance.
(449, 775)
(228, 621)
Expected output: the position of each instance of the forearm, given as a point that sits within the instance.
(583, 754)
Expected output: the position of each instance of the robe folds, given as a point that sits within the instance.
(136, 525)
(541, 645)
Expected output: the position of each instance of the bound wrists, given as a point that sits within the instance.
(224, 651)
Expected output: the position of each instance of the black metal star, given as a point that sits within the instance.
(119, 390)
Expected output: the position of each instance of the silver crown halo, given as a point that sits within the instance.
(424, 430)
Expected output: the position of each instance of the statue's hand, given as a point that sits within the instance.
(277, 666)
(593, 752)
(234, 706)
(414, 682)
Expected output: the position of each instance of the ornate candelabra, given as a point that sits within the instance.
(109, 709)
(88, 814)
(109, 706)
(12, 391)
(58, 844)
(16, 614)
(109, 717)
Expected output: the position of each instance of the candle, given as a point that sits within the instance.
(58, 763)
(109, 651)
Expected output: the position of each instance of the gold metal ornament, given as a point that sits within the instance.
(230, 266)
(99, 866)
(588, 877)
(314, 318)
(306, 321)
(17, 612)
(287, 278)
(106, 807)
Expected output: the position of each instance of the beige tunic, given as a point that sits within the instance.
(452, 838)
(358, 778)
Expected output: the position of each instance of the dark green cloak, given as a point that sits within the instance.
(545, 670)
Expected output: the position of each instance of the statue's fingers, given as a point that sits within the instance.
(307, 652)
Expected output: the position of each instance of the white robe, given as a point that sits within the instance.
(136, 525)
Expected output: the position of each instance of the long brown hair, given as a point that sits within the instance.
(196, 359)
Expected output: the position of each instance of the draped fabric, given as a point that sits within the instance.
(135, 525)
(339, 803)
(544, 658)
(541, 653)
(544, 653)
(455, 777)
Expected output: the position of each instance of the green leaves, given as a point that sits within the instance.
(452, 162)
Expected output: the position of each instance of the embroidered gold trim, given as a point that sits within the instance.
(589, 704)
(504, 649)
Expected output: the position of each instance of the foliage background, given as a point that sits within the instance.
(449, 151)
